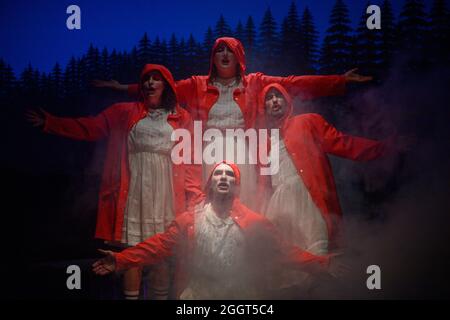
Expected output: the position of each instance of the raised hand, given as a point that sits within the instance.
(36, 118)
(112, 84)
(352, 76)
(336, 268)
(105, 265)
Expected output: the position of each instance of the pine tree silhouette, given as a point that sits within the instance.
(114, 65)
(26, 78)
(239, 32)
(38, 84)
(249, 42)
(29, 85)
(367, 46)
(144, 50)
(182, 60)
(194, 52)
(438, 35)
(208, 42)
(268, 47)
(293, 50)
(37, 77)
(163, 52)
(93, 63)
(135, 67)
(222, 28)
(7, 81)
(336, 53)
(173, 55)
(291, 46)
(201, 63)
(309, 36)
(2, 74)
(104, 64)
(122, 59)
(388, 34)
(45, 88)
(83, 74)
(412, 26)
(191, 46)
(155, 56)
(2, 70)
(56, 87)
(70, 81)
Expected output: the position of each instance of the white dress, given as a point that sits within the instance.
(219, 268)
(149, 207)
(292, 210)
(226, 114)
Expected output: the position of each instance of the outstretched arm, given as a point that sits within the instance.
(151, 251)
(36, 117)
(352, 76)
(327, 265)
(186, 89)
(356, 148)
(84, 128)
(347, 146)
(275, 249)
(110, 84)
(311, 87)
(105, 265)
(131, 89)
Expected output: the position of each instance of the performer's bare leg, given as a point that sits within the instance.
(159, 281)
(131, 283)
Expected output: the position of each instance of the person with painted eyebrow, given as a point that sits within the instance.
(141, 190)
(304, 204)
(227, 98)
(223, 249)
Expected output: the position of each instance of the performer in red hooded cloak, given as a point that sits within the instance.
(227, 98)
(304, 204)
(141, 190)
(305, 177)
(223, 249)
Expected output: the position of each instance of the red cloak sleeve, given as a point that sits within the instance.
(343, 145)
(308, 87)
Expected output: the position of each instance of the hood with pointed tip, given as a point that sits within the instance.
(166, 74)
(237, 175)
(238, 49)
(262, 102)
(234, 167)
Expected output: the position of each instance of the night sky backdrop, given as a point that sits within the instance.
(396, 209)
(35, 31)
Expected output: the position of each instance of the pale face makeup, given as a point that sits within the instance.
(223, 180)
(225, 61)
(153, 88)
(275, 103)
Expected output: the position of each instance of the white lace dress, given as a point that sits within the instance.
(149, 207)
(292, 210)
(219, 268)
(226, 114)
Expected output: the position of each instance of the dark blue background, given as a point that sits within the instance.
(35, 31)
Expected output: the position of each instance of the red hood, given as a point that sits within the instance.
(167, 75)
(261, 102)
(238, 49)
(237, 174)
